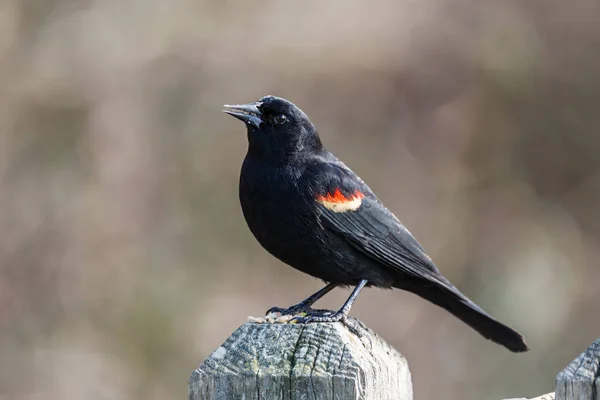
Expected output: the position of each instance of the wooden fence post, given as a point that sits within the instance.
(312, 362)
(581, 379)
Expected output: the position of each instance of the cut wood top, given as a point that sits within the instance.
(313, 361)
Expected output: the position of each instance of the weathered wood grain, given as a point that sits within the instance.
(581, 379)
(308, 362)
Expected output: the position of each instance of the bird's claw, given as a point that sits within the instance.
(328, 317)
(298, 309)
(293, 310)
(318, 316)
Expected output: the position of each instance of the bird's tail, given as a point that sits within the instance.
(450, 298)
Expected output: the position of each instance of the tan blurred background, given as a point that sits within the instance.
(125, 260)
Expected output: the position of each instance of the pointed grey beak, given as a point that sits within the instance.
(248, 113)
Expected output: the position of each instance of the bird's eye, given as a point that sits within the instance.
(279, 119)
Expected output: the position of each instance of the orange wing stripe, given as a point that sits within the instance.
(338, 198)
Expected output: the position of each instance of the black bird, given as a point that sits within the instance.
(308, 209)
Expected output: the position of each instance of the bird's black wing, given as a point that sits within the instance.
(348, 207)
(369, 226)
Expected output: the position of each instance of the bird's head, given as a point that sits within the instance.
(277, 129)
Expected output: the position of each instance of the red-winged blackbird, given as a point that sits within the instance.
(309, 210)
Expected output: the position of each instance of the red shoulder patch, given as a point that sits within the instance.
(337, 202)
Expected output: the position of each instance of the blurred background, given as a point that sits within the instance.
(125, 259)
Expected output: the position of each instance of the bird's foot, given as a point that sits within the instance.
(319, 316)
(337, 316)
(293, 310)
(298, 309)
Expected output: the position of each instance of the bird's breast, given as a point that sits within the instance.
(275, 206)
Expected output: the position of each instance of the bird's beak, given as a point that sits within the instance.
(248, 113)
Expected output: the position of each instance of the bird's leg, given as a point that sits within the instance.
(339, 315)
(305, 305)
